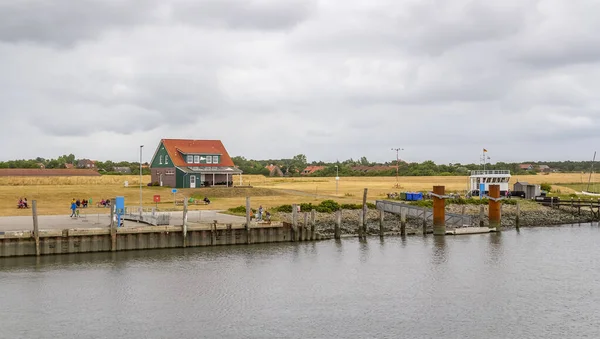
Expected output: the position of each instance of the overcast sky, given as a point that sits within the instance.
(332, 79)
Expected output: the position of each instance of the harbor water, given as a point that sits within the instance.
(537, 283)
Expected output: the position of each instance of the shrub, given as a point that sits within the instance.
(350, 206)
(509, 201)
(546, 187)
(284, 209)
(327, 206)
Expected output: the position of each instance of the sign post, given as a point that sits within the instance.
(174, 190)
(481, 191)
(156, 200)
(120, 209)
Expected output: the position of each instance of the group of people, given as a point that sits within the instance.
(105, 202)
(83, 203)
(22, 203)
(259, 216)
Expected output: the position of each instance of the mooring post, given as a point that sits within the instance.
(462, 216)
(517, 221)
(381, 216)
(403, 211)
(248, 211)
(305, 227)
(579, 207)
(295, 221)
(361, 215)
(439, 210)
(338, 224)
(213, 232)
(481, 215)
(113, 229)
(494, 208)
(313, 222)
(184, 226)
(365, 211)
(36, 229)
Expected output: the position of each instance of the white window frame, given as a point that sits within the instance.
(160, 160)
(208, 159)
(170, 172)
(166, 160)
(196, 159)
(215, 159)
(190, 159)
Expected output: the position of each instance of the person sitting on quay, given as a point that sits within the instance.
(84, 203)
(22, 203)
(78, 203)
(206, 200)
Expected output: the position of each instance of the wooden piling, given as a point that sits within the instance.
(403, 211)
(361, 215)
(248, 211)
(381, 216)
(295, 222)
(481, 216)
(303, 235)
(494, 208)
(517, 221)
(113, 229)
(338, 225)
(365, 212)
(313, 222)
(184, 226)
(424, 221)
(36, 228)
(439, 211)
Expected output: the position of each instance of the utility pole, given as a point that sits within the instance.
(397, 164)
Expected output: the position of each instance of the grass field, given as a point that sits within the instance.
(54, 194)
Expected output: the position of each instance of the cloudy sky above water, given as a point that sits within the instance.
(330, 79)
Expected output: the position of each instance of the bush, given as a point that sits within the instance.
(284, 209)
(509, 201)
(327, 206)
(546, 187)
(350, 206)
(240, 210)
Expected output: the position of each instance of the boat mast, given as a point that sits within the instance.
(591, 171)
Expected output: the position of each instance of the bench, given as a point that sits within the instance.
(195, 202)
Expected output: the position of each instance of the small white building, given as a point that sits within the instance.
(489, 177)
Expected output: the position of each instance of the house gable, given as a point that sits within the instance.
(161, 158)
(181, 151)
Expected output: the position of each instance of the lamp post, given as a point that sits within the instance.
(141, 206)
(337, 179)
(397, 163)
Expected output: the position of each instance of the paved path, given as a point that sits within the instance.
(18, 223)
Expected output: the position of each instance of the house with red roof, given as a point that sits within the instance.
(312, 169)
(185, 163)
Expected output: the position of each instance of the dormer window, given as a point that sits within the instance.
(196, 159)
(190, 159)
(215, 159)
(209, 159)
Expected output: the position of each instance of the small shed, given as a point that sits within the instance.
(530, 190)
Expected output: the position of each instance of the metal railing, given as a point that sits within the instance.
(452, 219)
(147, 215)
(490, 172)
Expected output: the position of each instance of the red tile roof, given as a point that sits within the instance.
(38, 172)
(175, 146)
(312, 169)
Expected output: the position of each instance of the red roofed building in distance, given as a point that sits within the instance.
(185, 163)
(312, 169)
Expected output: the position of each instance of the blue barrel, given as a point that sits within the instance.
(418, 196)
(410, 196)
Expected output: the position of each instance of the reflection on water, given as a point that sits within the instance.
(538, 283)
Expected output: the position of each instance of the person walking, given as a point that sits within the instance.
(73, 208)
(260, 211)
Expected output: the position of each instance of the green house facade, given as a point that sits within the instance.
(183, 163)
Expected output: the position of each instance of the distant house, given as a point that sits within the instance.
(86, 163)
(124, 170)
(274, 170)
(312, 169)
(40, 165)
(69, 166)
(526, 167)
(544, 168)
(184, 163)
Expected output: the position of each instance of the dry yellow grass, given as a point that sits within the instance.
(55, 193)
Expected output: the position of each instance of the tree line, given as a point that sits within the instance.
(295, 165)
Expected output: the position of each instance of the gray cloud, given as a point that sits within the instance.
(331, 79)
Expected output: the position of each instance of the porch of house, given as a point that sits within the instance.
(212, 177)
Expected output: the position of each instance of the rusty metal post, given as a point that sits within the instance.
(494, 206)
(439, 210)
